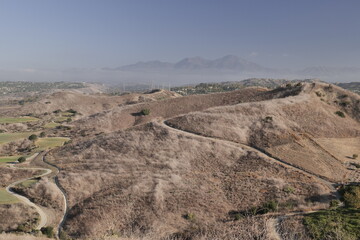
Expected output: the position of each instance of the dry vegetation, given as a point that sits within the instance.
(208, 172)
(166, 175)
(14, 215)
(89, 104)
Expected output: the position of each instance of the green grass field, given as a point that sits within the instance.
(9, 159)
(9, 137)
(28, 183)
(50, 142)
(67, 114)
(51, 125)
(17, 120)
(6, 198)
(60, 119)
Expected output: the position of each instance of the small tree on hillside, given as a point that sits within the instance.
(33, 137)
(21, 159)
(145, 111)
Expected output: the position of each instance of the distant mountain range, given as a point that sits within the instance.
(229, 62)
(326, 71)
(234, 64)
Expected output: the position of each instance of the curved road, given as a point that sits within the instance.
(43, 216)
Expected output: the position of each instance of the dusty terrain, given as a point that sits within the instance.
(195, 167)
(174, 173)
(87, 104)
(225, 153)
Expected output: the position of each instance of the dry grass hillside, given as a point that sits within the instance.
(87, 104)
(127, 116)
(154, 180)
(287, 128)
(201, 166)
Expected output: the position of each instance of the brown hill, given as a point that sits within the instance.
(192, 176)
(87, 104)
(287, 128)
(151, 179)
(127, 116)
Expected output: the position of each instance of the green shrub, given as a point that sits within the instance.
(344, 104)
(145, 111)
(339, 223)
(33, 137)
(57, 111)
(268, 119)
(189, 216)
(355, 156)
(340, 114)
(237, 217)
(289, 189)
(270, 206)
(334, 203)
(357, 165)
(48, 231)
(42, 134)
(21, 159)
(351, 196)
(72, 111)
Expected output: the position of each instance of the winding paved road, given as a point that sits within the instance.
(43, 216)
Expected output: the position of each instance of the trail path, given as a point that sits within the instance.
(272, 226)
(43, 216)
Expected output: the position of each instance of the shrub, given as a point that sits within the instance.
(42, 134)
(270, 206)
(289, 189)
(355, 156)
(145, 111)
(268, 119)
(237, 217)
(344, 104)
(189, 216)
(351, 196)
(48, 231)
(68, 120)
(72, 111)
(21, 159)
(340, 114)
(334, 203)
(33, 137)
(57, 111)
(355, 164)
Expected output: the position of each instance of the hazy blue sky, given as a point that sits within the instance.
(49, 34)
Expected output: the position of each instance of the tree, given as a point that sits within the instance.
(21, 159)
(48, 231)
(145, 111)
(33, 137)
